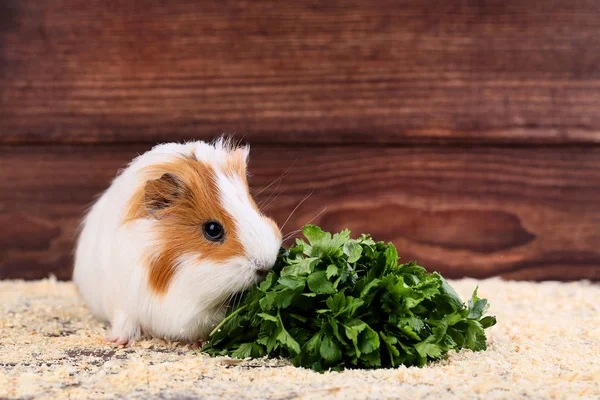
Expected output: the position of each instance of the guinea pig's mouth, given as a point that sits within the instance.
(261, 270)
(262, 274)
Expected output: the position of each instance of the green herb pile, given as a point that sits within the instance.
(336, 303)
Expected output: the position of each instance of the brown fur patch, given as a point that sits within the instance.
(181, 216)
(236, 165)
(275, 228)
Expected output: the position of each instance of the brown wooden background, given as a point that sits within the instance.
(467, 132)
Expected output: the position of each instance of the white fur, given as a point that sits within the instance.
(112, 277)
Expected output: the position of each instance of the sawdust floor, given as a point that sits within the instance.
(546, 345)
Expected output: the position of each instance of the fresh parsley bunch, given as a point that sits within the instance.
(336, 303)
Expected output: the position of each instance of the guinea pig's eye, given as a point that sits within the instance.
(213, 231)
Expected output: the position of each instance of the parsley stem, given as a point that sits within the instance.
(233, 314)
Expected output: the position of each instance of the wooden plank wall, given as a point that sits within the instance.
(466, 132)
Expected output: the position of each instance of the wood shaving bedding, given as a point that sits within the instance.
(546, 345)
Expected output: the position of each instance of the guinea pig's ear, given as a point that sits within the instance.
(238, 160)
(162, 193)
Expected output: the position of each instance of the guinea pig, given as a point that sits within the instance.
(174, 237)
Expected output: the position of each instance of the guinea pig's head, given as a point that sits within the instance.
(208, 233)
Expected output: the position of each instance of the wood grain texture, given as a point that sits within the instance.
(384, 71)
(531, 213)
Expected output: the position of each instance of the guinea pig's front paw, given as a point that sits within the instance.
(124, 331)
(119, 341)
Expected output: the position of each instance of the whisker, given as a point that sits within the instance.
(237, 299)
(224, 303)
(291, 234)
(295, 208)
(279, 178)
(229, 299)
(276, 180)
(283, 242)
(270, 195)
(316, 216)
(271, 202)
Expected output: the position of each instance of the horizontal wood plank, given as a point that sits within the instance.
(529, 213)
(91, 71)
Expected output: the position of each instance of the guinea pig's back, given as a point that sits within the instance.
(92, 270)
(105, 252)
